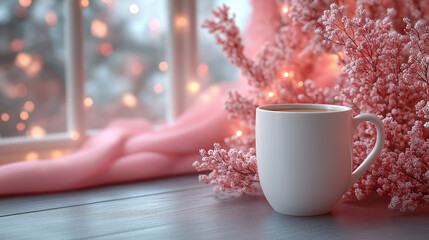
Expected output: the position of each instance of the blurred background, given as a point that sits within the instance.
(125, 62)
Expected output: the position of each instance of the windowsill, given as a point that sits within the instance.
(183, 208)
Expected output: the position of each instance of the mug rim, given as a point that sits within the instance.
(273, 107)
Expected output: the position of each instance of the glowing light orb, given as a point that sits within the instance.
(88, 102)
(194, 87)
(31, 156)
(99, 29)
(154, 24)
(129, 100)
(163, 66)
(158, 88)
(24, 115)
(134, 8)
(285, 74)
(239, 133)
(20, 126)
(25, 3)
(5, 117)
(202, 70)
(28, 106)
(285, 9)
(181, 22)
(37, 132)
(51, 18)
(84, 3)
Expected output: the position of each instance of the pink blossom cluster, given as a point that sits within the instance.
(382, 48)
(231, 171)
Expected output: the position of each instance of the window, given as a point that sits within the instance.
(135, 65)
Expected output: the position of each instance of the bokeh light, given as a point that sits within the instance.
(154, 24)
(25, 3)
(84, 3)
(163, 66)
(28, 106)
(5, 117)
(285, 74)
(193, 87)
(129, 100)
(57, 154)
(24, 115)
(239, 133)
(105, 49)
(31, 156)
(88, 102)
(181, 22)
(158, 88)
(51, 18)
(134, 8)
(20, 126)
(203, 70)
(285, 9)
(37, 132)
(17, 45)
(99, 29)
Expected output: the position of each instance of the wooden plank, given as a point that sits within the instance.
(31, 203)
(195, 213)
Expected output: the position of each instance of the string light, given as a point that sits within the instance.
(134, 8)
(25, 3)
(5, 117)
(270, 94)
(300, 83)
(51, 18)
(239, 133)
(105, 49)
(31, 156)
(154, 24)
(17, 45)
(158, 88)
(74, 135)
(22, 60)
(285, 74)
(202, 70)
(99, 29)
(24, 115)
(163, 66)
(285, 9)
(34, 68)
(37, 132)
(56, 154)
(28, 106)
(181, 22)
(136, 68)
(20, 126)
(20, 90)
(193, 87)
(129, 100)
(84, 3)
(88, 102)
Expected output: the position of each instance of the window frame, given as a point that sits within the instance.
(182, 59)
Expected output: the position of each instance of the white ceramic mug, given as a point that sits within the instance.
(305, 158)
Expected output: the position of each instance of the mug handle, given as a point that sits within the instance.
(363, 167)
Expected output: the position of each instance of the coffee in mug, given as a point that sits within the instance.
(304, 155)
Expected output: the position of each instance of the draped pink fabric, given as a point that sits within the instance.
(127, 150)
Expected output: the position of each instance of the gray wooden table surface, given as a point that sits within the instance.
(183, 208)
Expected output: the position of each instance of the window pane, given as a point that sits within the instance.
(213, 66)
(32, 94)
(125, 60)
